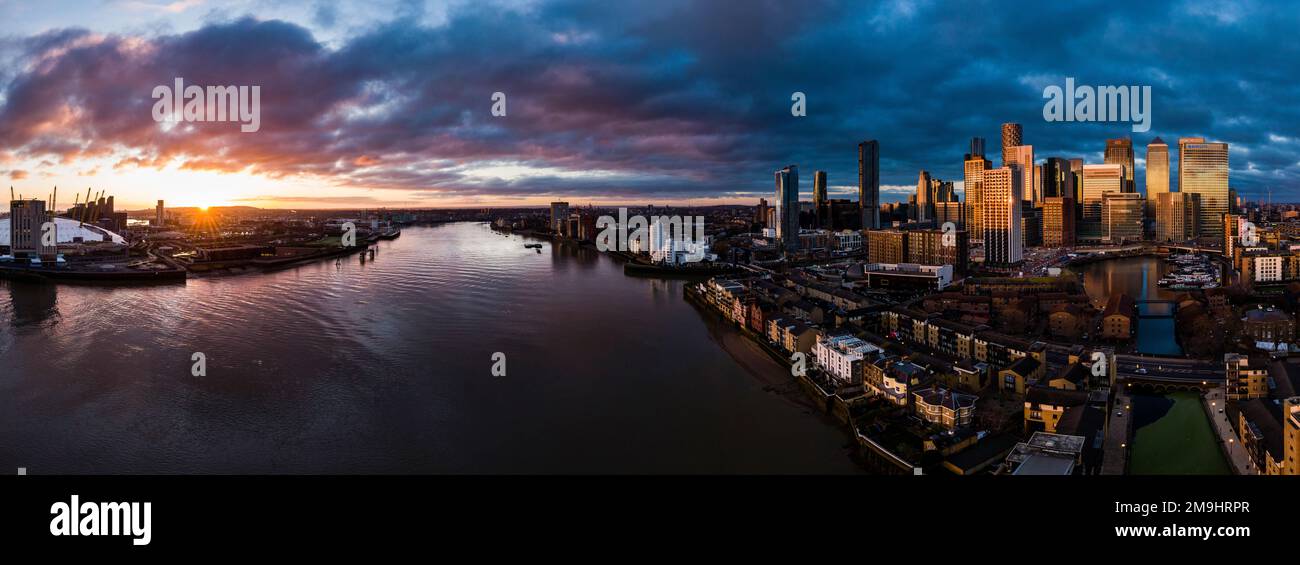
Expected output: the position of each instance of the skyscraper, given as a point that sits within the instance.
(1058, 221)
(25, 220)
(1011, 137)
(924, 198)
(821, 205)
(1023, 155)
(1176, 215)
(974, 181)
(1203, 170)
(1057, 181)
(1097, 181)
(1122, 214)
(869, 183)
(787, 207)
(559, 214)
(1120, 152)
(160, 218)
(1003, 191)
(1157, 176)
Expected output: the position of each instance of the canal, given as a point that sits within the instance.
(1172, 435)
(1138, 278)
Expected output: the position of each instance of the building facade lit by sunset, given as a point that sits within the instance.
(974, 182)
(1177, 214)
(1203, 170)
(1157, 173)
(1097, 181)
(1122, 215)
(1058, 221)
(1003, 240)
(1023, 156)
(1012, 135)
(1120, 152)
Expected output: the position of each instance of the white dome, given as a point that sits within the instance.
(67, 230)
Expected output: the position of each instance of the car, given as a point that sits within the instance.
(1140, 371)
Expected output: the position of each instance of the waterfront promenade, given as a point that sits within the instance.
(1213, 401)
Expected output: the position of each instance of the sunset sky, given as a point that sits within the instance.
(367, 104)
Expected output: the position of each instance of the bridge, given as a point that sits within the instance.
(1162, 382)
(1190, 248)
(1165, 374)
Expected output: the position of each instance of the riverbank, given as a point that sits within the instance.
(768, 367)
(633, 264)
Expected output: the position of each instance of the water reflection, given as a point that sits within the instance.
(1137, 277)
(386, 368)
(32, 303)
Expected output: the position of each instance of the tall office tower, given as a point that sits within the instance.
(869, 183)
(1058, 221)
(1023, 155)
(976, 148)
(1203, 170)
(559, 214)
(1120, 152)
(1122, 214)
(160, 217)
(1003, 191)
(1234, 201)
(974, 181)
(760, 214)
(1097, 181)
(1031, 225)
(1076, 170)
(924, 198)
(1231, 236)
(821, 206)
(1057, 180)
(25, 220)
(1157, 174)
(1038, 185)
(787, 207)
(1011, 137)
(1176, 215)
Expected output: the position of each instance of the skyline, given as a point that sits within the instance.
(612, 105)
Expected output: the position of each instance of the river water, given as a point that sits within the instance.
(1138, 278)
(386, 367)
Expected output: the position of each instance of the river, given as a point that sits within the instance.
(386, 367)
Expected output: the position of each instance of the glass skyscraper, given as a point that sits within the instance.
(869, 183)
(787, 207)
(1203, 170)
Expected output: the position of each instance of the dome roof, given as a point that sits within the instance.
(67, 230)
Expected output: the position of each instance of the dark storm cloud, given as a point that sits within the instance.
(671, 99)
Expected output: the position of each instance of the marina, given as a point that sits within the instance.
(1190, 272)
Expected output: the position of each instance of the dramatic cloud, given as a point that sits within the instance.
(671, 99)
